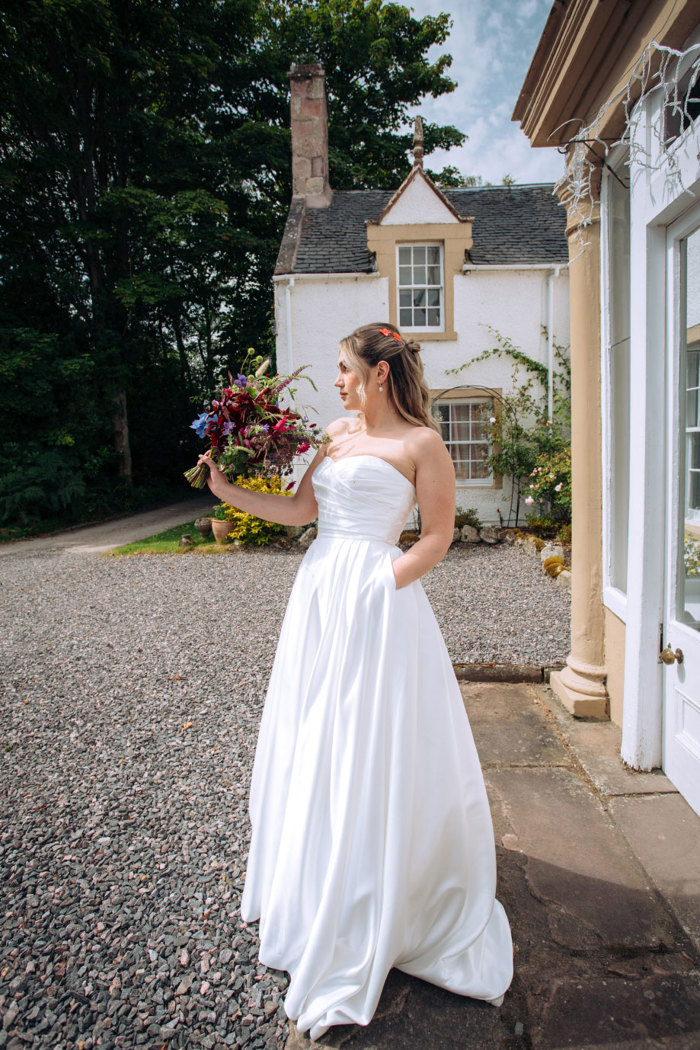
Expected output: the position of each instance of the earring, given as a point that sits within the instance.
(380, 389)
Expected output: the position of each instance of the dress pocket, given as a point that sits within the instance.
(391, 578)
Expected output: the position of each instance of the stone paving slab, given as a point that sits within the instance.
(665, 834)
(613, 1011)
(671, 1042)
(602, 961)
(577, 861)
(509, 727)
(596, 745)
(414, 1014)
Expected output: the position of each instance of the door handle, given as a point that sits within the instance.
(668, 656)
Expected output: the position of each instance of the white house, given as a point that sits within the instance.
(456, 268)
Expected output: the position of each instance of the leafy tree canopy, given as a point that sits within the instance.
(145, 165)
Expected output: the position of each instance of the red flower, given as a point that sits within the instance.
(394, 335)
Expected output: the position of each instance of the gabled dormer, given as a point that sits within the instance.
(419, 242)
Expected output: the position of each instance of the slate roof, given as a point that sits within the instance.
(512, 224)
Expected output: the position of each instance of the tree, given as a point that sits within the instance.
(452, 178)
(146, 170)
(375, 55)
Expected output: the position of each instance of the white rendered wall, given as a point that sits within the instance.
(322, 310)
(513, 303)
(418, 203)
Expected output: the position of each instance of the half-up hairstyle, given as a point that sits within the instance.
(408, 392)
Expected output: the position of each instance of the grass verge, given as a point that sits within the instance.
(168, 542)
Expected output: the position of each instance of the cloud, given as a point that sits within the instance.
(492, 43)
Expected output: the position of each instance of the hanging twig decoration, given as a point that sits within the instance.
(674, 75)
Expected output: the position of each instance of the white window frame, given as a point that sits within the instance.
(487, 480)
(399, 287)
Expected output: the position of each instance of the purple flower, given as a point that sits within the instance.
(241, 380)
(266, 428)
(228, 428)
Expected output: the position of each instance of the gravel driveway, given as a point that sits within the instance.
(132, 694)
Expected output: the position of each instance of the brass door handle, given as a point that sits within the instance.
(668, 656)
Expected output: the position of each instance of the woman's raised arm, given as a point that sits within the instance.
(298, 509)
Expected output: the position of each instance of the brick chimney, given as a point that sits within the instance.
(309, 135)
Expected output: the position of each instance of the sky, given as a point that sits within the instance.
(492, 43)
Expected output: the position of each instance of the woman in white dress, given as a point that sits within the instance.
(372, 843)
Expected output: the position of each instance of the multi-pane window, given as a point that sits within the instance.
(421, 293)
(464, 426)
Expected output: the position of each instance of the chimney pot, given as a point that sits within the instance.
(309, 122)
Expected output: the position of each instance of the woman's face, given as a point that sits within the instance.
(348, 384)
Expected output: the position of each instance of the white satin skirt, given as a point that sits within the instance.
(372, 841)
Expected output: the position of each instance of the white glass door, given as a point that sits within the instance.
(681, 630)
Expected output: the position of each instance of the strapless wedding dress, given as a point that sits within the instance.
(372, 842)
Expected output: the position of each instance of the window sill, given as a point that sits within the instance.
(425, 337)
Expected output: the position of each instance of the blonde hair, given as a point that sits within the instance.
(406, 387)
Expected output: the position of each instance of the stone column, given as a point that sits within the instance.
(581, 684)
(309, 117)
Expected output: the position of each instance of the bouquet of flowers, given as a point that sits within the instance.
(250, 433)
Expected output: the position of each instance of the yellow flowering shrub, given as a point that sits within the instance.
(246, 527)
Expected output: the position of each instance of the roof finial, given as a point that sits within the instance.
(418, 143)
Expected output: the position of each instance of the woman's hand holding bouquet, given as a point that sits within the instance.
(249, 432)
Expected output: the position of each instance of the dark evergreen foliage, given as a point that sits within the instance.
(145, 171)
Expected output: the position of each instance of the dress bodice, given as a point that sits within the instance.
(361, 497)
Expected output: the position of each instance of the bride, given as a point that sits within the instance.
(372, 844)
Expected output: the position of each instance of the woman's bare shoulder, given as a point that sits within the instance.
(340, 426)
(425, 443)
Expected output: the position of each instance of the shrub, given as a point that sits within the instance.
(691, 556)
(553, 566)
(467, 517)
(542, 526)
(564, 534)
(551, 483)
(246, 527)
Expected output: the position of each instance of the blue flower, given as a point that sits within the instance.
(241, 380)
(266, 428)
(200, 424)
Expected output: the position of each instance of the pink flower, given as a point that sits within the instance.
(557, 488)
(529, 500)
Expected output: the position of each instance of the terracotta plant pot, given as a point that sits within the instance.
(220, 529)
